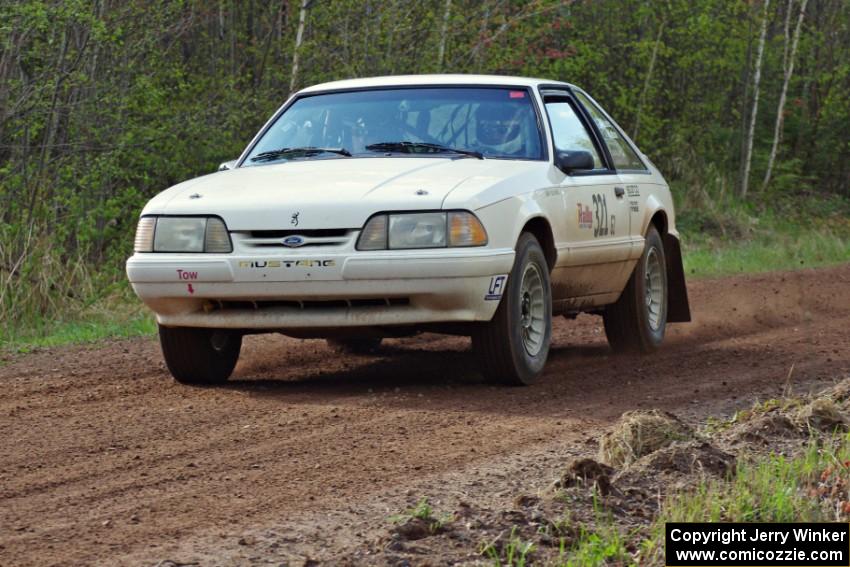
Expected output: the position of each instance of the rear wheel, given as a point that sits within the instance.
(636, 323)
(512, 348)
(199, 356)
(355, 346)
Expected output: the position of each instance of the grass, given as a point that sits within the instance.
(115, 321)
(425, 512)
(514, 553)
(723, 235)
(605, 545)
(811, 487)
(769, 490)
(788, 249)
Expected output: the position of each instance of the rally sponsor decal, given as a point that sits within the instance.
(262, 264)
(496, 288)
(585, 216)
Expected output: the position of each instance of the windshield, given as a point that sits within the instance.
(493, 122)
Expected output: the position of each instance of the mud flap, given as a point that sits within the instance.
(678, 308)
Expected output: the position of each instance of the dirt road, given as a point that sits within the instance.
(105, 460)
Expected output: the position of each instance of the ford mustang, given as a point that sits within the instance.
(474, 205)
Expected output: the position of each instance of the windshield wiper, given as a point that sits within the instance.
(296, 152)
(424, 147)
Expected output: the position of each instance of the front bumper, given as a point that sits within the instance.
(321, 291)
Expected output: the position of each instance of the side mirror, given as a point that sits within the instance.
(570, 162)
(224, 166)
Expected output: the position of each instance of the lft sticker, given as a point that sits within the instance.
(497, 288)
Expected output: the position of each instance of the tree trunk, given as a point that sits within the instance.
(299, 39)
(789, 71)
(756, 81)
(745, 87)
(648, 79)
(52, 123)
(444, 32)
(485, 23)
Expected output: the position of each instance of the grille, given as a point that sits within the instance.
(320, 233)
(310, 238)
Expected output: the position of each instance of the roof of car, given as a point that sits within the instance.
(425, 80)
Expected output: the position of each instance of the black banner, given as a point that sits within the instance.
(757, 545)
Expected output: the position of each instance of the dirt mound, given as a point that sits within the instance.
(792, 420)
(641, 432)
(415, 528)
(840, 393)
(584, 471)
(822, 415)
(761, 429)
(686, 457)
(587, 472)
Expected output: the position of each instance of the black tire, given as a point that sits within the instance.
(199, 356)
(631, 325)
(502, 353)
(355, 346)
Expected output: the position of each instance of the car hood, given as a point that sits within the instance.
(328, 193)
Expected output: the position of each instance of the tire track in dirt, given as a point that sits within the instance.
(105, 457)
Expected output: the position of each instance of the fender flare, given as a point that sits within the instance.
(530, 212)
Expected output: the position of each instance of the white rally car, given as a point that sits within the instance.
(384, 207)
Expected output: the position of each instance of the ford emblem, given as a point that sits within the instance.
(293, 241)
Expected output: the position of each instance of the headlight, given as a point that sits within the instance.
(176, 234)
(400, 231)
(182, 234)
(426, 230)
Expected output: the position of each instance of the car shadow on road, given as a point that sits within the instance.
(387, 369)
(582, 372)
(395, 369)
(431, 360)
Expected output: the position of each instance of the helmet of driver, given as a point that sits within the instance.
(498, 128)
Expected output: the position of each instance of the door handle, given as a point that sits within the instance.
(619, 192)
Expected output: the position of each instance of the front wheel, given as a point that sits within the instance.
(199, 356)
(512, 348)
(636, 323)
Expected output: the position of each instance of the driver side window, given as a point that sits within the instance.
(622, 154)
(568, 132)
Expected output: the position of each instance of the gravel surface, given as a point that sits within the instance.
(305, 454)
